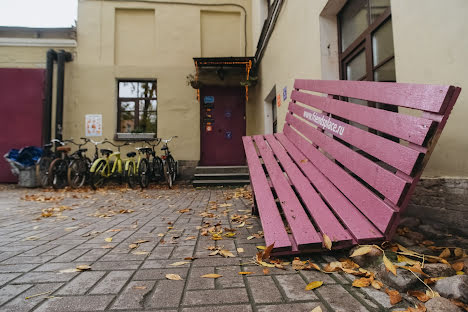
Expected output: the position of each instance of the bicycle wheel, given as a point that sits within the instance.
(42, 171)
(167, 174)
(172, 167)
(97, 177)
(131, 175)
(58, 173)
(144, 173)
(157, 169)
(77, 172)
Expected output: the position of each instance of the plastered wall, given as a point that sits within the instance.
(153, 40)
(430, 47)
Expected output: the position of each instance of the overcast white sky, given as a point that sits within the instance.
(38, 13)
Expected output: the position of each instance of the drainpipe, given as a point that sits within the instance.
(62, 57)
(47, 109)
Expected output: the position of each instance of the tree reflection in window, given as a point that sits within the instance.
(137, 106)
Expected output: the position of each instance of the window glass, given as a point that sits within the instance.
(377, 7)
(138, 106)
(382, 43)
(356, 68)
(386, 72)
(354, 21)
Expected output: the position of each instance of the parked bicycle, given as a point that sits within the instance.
(108, 166)
(169, 164)
(43, 165)
(149, 169)
(59, 173)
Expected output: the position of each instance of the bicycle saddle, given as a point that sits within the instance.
(63, 149)
(145, 150)
(131, 154)
(106, 151)
(82, 150)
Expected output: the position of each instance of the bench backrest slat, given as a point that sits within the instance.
(432, 98)
(385, 182)
(364, 199)
(396, 155)
(410, 128)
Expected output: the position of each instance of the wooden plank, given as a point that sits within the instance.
(319, 211)
(396, 155)
(378, 212)
(301, 227)
(270, 217)
(361, 229)
(410, 128)
(387, 183)
(432, 98)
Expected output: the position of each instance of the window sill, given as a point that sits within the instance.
(134, 136)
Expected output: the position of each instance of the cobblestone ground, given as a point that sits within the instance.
(38, 255)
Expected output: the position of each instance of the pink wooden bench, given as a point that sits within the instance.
(343, 169)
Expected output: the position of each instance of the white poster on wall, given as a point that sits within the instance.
(93, 124)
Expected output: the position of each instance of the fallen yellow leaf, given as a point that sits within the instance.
(362, 282)
(377, 284)
(83, 267)
(266, 253)
(317, 309)
(108, 239)
(394, 295)
(460, 273)
(261, 247)
(245, 273)
(213, 275)
(179, 263)
(327, 241)
(445, 254)
(389, 265)
(406, 259)
(458, 252)
(226, 253)
(313, 285)
(173, 277)
(423, 297)
(240, 250)
(361, 251)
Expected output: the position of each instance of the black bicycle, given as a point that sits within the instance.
(149, 170)
(169, 164)
(59, 173)
(48, 155)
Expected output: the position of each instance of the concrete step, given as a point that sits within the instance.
(221, 176)
(221, 169)
(220, 182)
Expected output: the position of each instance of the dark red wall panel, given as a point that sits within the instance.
(21, 95)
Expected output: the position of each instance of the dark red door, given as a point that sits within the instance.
(222, 119)
(21, 94)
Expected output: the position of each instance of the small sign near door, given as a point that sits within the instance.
(278, 100)
(285, 93)
(93, 124)
(208, 99)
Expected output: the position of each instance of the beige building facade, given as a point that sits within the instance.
(156, 41)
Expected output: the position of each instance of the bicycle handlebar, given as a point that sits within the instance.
(170, 139)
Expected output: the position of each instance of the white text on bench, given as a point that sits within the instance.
(324, 122)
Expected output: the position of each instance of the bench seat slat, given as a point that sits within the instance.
(432, 98)
(396, 155)
(378, 212)
(301, 227)
(269, 215)
(359, 226)
(387, 183)
(410, 128)
(321, 214)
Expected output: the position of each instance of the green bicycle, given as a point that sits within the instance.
(108, 166)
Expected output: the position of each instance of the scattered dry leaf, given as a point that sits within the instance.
(266, 253)
(226, 253)
(445, 254)
(377, 284)
(173, 277)
(313, 285)
(266, 271)
(394, 296)
(108, 239)
(458, 252)
(327, 241)
(317, 309)
(245, 273)
(212, 275)
(139, 287)
(362, 282)
(423, 297)
(389, 265)
(240, 250)
(179, 263)
(361, 251)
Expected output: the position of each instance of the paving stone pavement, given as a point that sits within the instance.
(37, 253)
